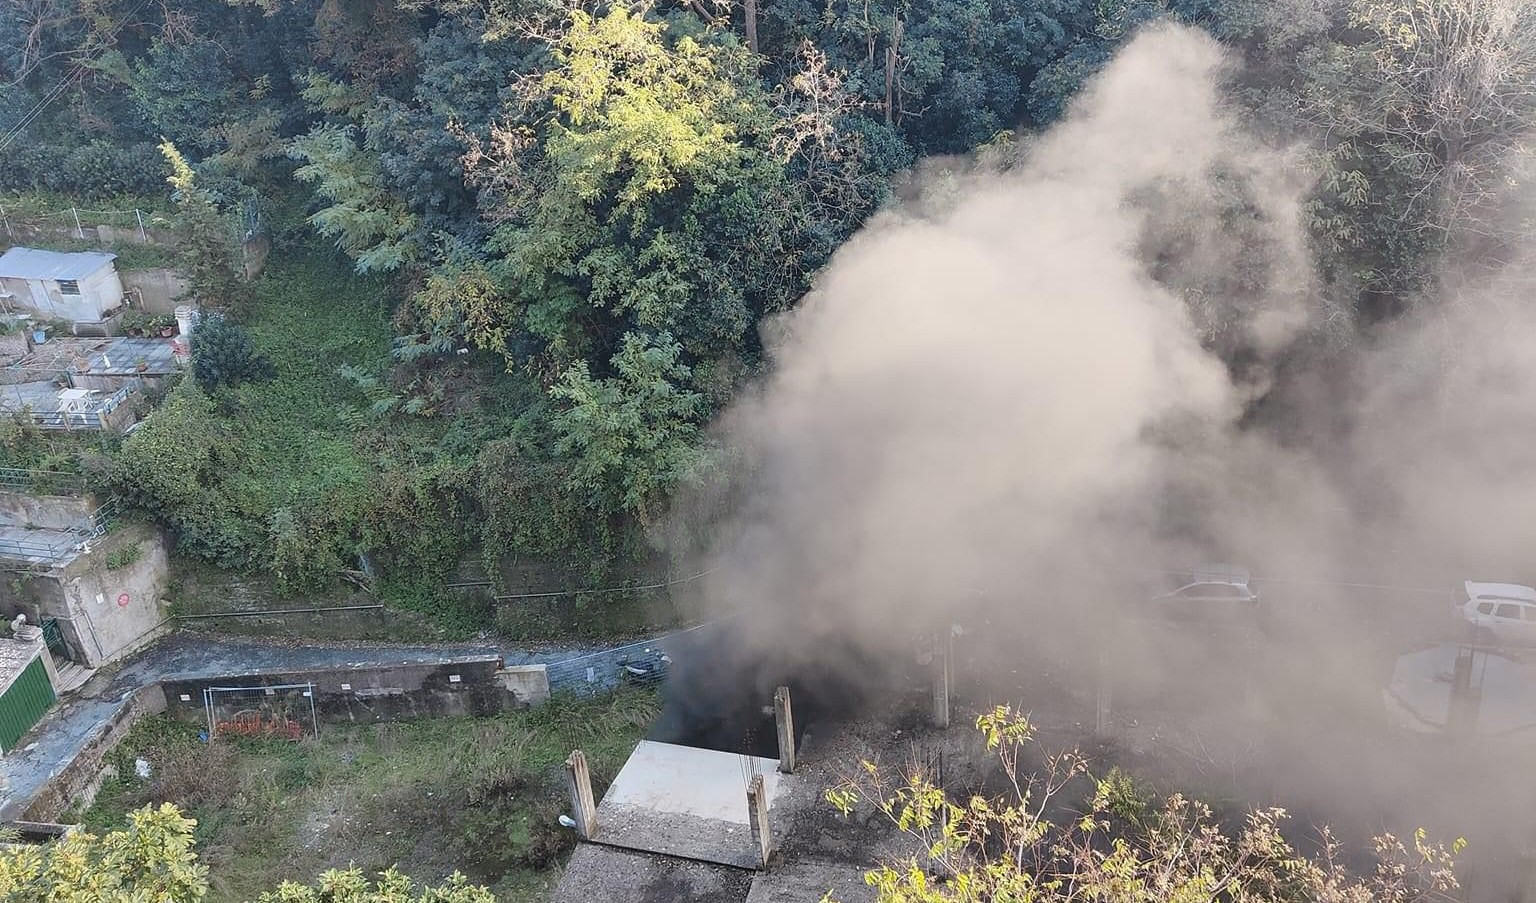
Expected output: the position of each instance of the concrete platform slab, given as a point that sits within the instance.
(686, 802)
(1419, 696)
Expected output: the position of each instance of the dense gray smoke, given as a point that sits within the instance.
(993, 388)
(1021, 393)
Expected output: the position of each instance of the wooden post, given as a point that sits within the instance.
(943, 672)
(757, 814)
(784, 719)
(584, 809)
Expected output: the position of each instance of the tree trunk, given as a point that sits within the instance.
(750, 9)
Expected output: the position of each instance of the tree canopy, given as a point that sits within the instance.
(153, 859)
(582, 218)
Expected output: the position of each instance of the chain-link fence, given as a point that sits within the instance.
(282, 711)
(20, 219)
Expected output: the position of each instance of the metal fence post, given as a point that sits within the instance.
(79, 230)
(143, 235)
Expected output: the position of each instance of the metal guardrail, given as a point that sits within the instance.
(39, 482)
(65, 543)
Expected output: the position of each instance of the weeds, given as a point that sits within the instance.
(481, 795)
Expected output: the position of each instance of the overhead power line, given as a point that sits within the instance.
(58, 90)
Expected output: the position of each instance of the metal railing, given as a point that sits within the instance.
(40, 482)
(61, 545)
(93, 419)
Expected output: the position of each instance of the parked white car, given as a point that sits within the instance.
(1212, 591)
(1501, 612)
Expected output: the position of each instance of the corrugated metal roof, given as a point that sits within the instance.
(31, 263)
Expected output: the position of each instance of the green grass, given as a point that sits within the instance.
(480, 796)
(310, 318)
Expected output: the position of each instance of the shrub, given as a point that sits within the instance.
(121, 558)
(222, 355)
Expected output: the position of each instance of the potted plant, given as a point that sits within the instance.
(82, 365)
(136, 323)
(140, 365)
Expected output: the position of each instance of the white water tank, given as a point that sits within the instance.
(186, 321)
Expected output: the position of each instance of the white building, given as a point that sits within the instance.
(81, 287)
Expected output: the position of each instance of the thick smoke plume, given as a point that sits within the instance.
(995, 389)
(1023, 391)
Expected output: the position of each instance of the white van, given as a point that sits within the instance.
(1501, 612)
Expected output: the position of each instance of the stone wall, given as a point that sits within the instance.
(78, 782)
(157, 289)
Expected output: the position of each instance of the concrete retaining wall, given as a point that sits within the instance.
(49, 512)
(125, 607)
(106, 236)
(471, 686)
(78, 782)
(156, 289)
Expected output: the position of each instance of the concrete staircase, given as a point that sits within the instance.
(72, 677)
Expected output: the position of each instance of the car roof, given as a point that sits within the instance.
(1503, 592)
(1220, 573)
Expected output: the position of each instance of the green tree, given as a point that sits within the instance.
(633, 436)
(222, 355)
(209, 254)
(371, 225)
(151, 859)
(649, 199)
(1124, 846)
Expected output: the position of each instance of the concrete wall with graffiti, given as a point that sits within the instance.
(119, 590)
(109, 600)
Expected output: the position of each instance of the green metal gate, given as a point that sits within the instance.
(24, 703)
(55, 639)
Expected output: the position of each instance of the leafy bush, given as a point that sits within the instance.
(95, 170)
(302, 551)
(121, 558)
(172, 467)
(222, 355)
(171, 459)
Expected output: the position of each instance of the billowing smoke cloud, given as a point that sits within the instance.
(1020, 390)
(1035, 372)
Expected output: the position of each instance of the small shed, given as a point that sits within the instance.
(26, 689)
(81, 287)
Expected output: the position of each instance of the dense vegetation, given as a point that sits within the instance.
(565, 222)
(1055, 835)
(375, 796)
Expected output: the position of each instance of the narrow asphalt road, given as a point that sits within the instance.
(55, 741)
